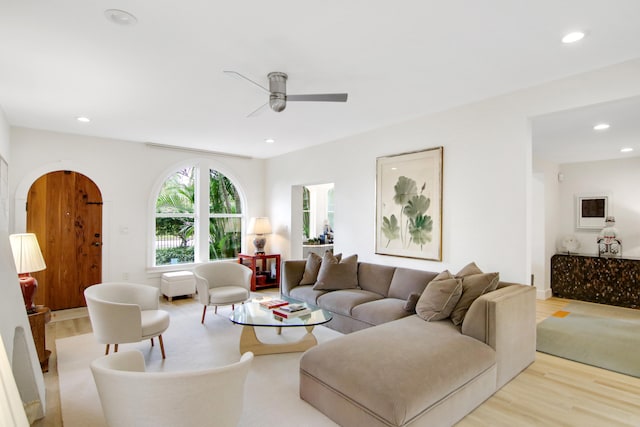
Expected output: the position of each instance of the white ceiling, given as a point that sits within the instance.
(569, 137)
(162, 80)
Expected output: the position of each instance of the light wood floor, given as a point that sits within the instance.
(550, 392)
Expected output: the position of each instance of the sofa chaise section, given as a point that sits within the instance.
(418, 373)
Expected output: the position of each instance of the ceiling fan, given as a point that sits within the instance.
(278, 92)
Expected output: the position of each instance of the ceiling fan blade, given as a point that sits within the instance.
(258, 110)
(237, 75)
(319, 97)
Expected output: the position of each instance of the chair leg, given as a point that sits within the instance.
(203, 313)
(115, 348)
(215, 309)
(233, 307)
(152, 344)
(161, 346)
(107, 350)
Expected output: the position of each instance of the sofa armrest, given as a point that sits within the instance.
(292, 271)
(505, 319)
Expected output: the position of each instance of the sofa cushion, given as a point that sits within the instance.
(472, 287)
(306, 293)
(410, 303)
(417, 366)
(311, 269)
(469, 270)
(375, 277)
(342, 302)
(380, 311)
(439, 298)
(446, 274)
(334, 275)
(406, 281)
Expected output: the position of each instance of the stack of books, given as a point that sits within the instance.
(291, 310)
(273, 303)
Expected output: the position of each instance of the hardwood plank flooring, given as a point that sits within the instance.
(550, 392)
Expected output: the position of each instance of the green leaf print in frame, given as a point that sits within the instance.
(409, 204)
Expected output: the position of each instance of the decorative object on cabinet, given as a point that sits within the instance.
(591, 211)
(570, 244)
(608, 240)
(262, 276)
(260, 226)
(409, 204)
(28, 259)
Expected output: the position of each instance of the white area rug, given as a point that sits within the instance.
(271, 391)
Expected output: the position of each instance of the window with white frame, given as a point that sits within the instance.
(180, 237)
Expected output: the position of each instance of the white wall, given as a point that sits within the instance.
(487, 174)
(545, 216)
(14, 323)
(127, 174)
(620, 179)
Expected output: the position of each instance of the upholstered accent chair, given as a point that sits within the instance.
(222, 283)
(132, 397)
(125, 313)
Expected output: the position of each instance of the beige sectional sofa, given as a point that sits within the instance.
(397, 369)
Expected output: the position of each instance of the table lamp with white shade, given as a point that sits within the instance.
(28, 259)
(259, 226)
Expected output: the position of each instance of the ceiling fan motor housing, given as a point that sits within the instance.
(278, 89)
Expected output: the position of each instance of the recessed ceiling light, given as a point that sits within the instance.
(573, 37)
(602, 126)
(626, 150)
(83, 119)
(269, 140)
(120, 17)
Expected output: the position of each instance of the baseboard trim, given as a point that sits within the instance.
(544, 294)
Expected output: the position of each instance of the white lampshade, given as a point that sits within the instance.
(26, 253)
(260, 225)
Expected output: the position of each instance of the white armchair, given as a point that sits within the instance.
(132, 397)
(125, 313)
(222, 283)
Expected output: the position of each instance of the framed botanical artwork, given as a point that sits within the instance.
(409, 204)
(591, 211)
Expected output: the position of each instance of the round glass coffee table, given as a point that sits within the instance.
(251, 315)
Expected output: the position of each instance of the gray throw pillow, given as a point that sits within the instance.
(438, 299)
(335, 275)
(469, 270)
(444, 275)
(410, 303)
(311, 269)
(472, 287)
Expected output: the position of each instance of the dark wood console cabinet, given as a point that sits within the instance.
(604, 280)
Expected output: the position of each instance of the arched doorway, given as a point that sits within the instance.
(64, 210)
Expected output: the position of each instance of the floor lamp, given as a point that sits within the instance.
(28, 259)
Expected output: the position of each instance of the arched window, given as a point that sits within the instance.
(225, 217)
(180, 237)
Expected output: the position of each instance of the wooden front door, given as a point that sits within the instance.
(64, 210)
